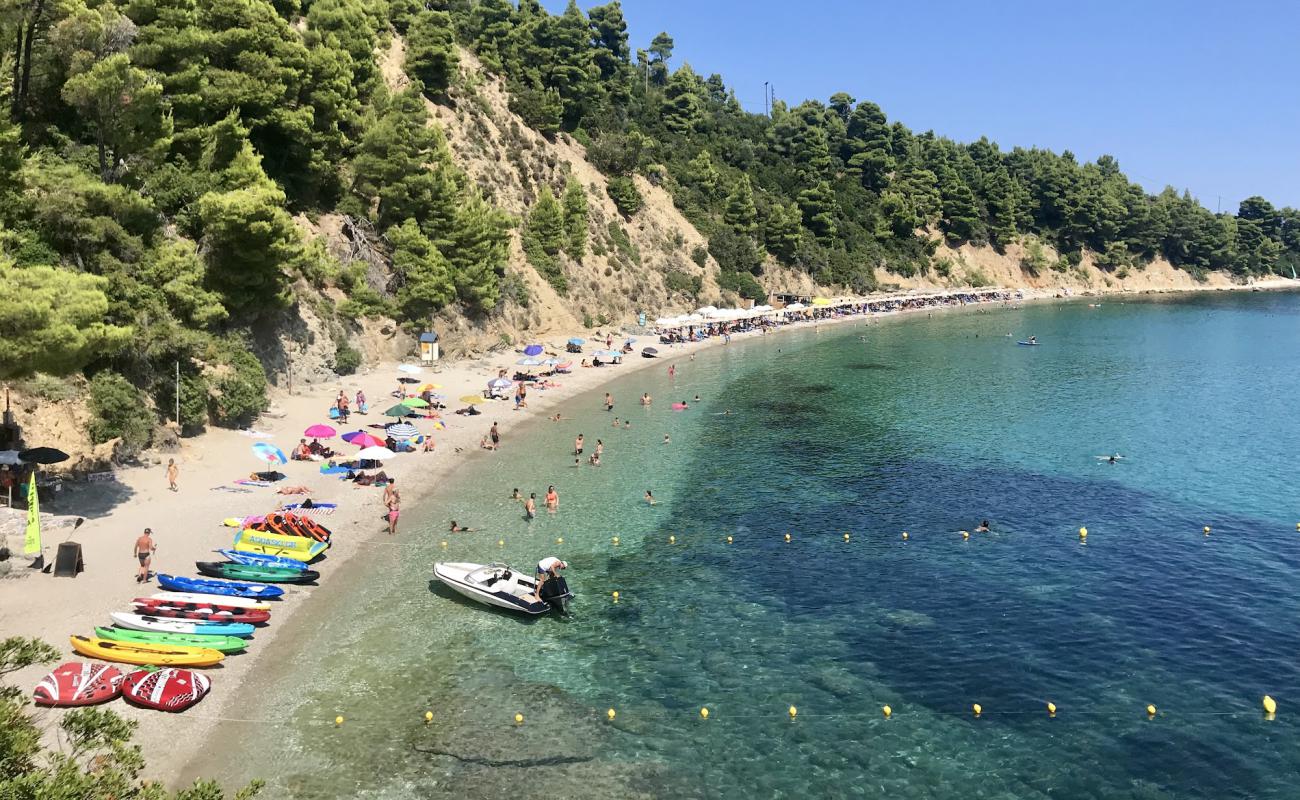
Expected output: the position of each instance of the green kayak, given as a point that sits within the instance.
(223, 644)
(251, 572)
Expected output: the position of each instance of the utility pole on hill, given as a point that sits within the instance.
(766, 110)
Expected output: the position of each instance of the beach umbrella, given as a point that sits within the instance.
(550, 362)
(607, 353)
(630, 341)
(398, 410)
(402, 430)
(564, 365)
(821, 301)
(42, 455)
(414, 402)
(264, 451)
(362, 439)
(409, 369)
(499, 384)
(533, 350)
(473, 398)
(649, 352)
(320, 432)
(528, 362)
(406, 380)
(427, 387)
(377, 453)
(577, 341)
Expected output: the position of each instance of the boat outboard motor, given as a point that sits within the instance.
(555, 593)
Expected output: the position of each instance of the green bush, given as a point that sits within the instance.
(240, 392)
(743, 284)
(346, 358)
(700, 255)
(119, 410)
(622, 190)
(682, 283)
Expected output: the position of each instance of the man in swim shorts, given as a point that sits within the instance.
(577, 445)
(548, 567)
(143, 551)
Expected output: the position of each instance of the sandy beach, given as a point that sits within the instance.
(187, 524)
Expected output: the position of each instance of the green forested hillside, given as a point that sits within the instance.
(153, 154)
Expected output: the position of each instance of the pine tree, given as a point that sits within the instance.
(683, 106)
(575, 219)
(479, 248)
(546, 227)
(431, 51)
(781, 231)
(740, 213)
(421, 272)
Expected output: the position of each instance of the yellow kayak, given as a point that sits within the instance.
(143, 653)
(299, 548)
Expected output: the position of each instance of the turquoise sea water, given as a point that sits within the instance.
(920, 425)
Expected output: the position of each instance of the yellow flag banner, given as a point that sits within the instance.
(32, 544)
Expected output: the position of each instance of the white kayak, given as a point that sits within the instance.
(499, 585)
(229, 601)
(145, 622)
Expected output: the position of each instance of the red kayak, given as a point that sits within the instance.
(167, 689)
(200, 611)
(78, 684)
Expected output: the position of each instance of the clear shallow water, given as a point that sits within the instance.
(923, 426)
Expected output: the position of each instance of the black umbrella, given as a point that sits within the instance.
(649, 352)
(42, 455)
(405, 379)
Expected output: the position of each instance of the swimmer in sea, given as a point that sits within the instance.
(515, 495)
(649, 497)
(455, 528)
(983, 527)
(666, 440)
(615, 422)
(697, 398)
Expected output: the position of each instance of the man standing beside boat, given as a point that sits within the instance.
(547, 569)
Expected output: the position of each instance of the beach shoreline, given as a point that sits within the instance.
(35, 606)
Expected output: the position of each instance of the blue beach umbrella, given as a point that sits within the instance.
(269, 453)
(402, 430)
(533, 350)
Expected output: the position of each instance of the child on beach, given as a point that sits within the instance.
(173, 472)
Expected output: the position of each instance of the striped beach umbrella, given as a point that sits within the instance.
(402, 430)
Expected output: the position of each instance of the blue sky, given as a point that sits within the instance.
(1198, 95)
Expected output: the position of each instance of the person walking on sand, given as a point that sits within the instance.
(552, 499)
(342, 406)
(530, 507)
(495, 435)
(173, 472)
(143, 552)
(394, 511)
(362, 407)
(577, 445)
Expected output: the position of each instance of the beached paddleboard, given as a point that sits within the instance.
(262, 560)
(144, 622)
(179, 583)
(78, 684)
(199, 612)
(247, 572)
(214, 601)
(168, 689)
(141, 653)
(222, 644)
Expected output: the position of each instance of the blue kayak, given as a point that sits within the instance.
(263, 560)
(1028, 344)
(177, 583)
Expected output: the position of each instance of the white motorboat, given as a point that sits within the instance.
(501, 586)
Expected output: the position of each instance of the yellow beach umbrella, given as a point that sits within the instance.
(427, 387)
(473, 398)
(821, 301)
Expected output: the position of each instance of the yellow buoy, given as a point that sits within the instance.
(1151, 710)
(704, 712)
(672, 540)
(428, 717)
(787, 537)
(728, 540)
(616, 596)
(1270, 705)
(338, 721)
(519, 719)
(846, 537)
(1297, 526)
(1051, 708)
(977, 708)
(1206, 530)
(1083, 533)
(887, 711)
(905, 536)
(501, 542)
(560, 540)
(965, 534)
(615, 540)
(610, 714)
(444, 543)
(794, 712)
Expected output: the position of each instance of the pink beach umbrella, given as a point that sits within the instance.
(362, 439)
(320, 432)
